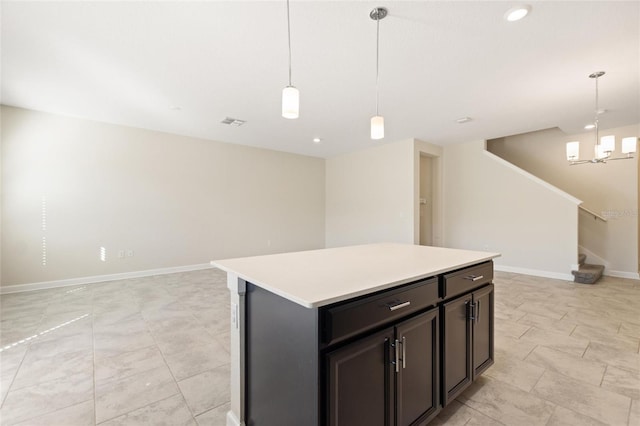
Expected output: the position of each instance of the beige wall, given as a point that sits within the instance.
(373, 195)
(370, 195)
(173, 200)
(610, 189)
(491, 205)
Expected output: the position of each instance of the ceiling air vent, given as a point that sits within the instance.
(233, 121)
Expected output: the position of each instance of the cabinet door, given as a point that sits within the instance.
(360, 384)
(483, 330)
(417, 391)
(456, 338)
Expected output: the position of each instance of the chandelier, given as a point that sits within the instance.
(604, 146)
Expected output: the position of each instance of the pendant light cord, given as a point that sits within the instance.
(289, 37)
(377, 59)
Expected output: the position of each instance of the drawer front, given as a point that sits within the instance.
(467, 279)
(353, 318)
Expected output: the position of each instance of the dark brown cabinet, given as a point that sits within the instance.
(390, 358)
(417, 381)
(389, 378)
(467, 336)
(483, 329)
(456, 347)
(360, 377)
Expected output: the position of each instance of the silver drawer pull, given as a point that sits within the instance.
(474, 277)
(399, 305)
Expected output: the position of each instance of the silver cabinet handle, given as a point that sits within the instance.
(399, 305)
(397, 363)
(477, 311)
(474, 277)
(404, 352)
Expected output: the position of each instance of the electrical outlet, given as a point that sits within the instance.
(130, 253)
(120, 254)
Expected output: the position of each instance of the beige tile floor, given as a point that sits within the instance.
(154, 351)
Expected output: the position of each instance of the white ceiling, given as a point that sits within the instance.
(134, 63)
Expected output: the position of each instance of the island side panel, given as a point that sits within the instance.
(237, 291)
(282, 373)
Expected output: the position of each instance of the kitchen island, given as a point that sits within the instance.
(371, 334)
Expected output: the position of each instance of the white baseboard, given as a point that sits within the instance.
(594, 258)
(622, 274)
(232, 420)
(534, 272)
(100, 278)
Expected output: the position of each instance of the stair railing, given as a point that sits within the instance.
(595, 215)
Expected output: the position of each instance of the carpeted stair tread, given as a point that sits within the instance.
(581, 258)
(588, 274)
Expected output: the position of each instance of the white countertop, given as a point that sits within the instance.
(319, 277)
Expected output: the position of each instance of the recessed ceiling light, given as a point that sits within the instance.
(317, 140)
(517, 13)
(463, 120)
(589, 126)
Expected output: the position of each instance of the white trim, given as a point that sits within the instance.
(531, 177)
(534, 272)
(100, 278)
(622, 274)
(594, 258)
(607, 272)
(232, 420)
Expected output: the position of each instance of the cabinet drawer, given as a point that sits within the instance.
(467, 279)
(349, 319)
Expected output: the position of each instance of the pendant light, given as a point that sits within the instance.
(377, 121)
(604, 146)
(290, 95)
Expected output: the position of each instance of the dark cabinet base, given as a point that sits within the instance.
(282, 370)
(388, 378)
(467, 336)
(360, 381)
(318, 367)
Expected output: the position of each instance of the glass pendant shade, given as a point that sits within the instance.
(629, 145)
(608, 143)
(290, 102)
(600, 153)
(377, 127)
(573, 150)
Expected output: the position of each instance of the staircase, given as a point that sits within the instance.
(587, 273)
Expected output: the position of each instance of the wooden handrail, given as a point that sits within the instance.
(595, 215)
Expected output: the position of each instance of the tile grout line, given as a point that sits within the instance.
(604, 373)
(28, 347)
(152, 334)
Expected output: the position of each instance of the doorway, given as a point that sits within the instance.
(426, 200)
